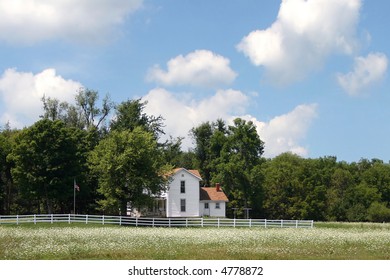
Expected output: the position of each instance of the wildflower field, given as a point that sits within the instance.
(325, 241)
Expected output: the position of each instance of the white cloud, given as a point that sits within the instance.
(303, 35)
(21, 94)
(283, 133)
(30, 21)
(182, 112)
(366, 72)
(199, 68)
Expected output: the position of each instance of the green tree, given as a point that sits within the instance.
(8, 191)
(46, 162)
(342, 181)
(93, 116)
(282, 186)
(129, 168)
(378, 212)
(209, 139)
(202, 136)
(239, 168)
(130, 114)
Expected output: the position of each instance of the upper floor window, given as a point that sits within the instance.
(182, 186)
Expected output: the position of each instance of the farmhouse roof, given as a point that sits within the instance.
(191, 171)
(207, 193)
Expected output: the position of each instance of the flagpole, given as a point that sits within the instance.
(74, 196)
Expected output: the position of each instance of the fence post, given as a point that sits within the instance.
(120, 220)
(35, 219)
(51, 218)
(201, 221)
(312, 224)
(218, 222)
(17, 219)
(86, 219)
(234, 222)
(265, 223)
(281, 223)
(153, 222)
(250, 222)
(103, 220)
(69, 218)
(296, 223)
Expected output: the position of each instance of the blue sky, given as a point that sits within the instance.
(312, 75)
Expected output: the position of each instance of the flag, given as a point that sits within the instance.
(76, 186)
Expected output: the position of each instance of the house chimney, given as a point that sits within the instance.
(218, 187)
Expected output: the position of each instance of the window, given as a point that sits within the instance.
(217, 206)
(182, 186)
(182, 205)
(206, 205)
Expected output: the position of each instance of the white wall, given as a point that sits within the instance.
(212, 211)
(191, 195)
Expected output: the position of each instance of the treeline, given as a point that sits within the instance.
(123, 159)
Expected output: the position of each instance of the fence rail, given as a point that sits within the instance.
(154, 222)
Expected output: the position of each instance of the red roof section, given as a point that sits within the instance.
(207, 193)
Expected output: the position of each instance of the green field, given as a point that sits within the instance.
(325, 241)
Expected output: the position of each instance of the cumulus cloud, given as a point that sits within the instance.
(21, 94)
(181, 112)
(199, 68)
(283, 133)
(303, 35)
(366, 72)
(30, 21)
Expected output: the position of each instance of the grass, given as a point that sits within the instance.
(332, 241)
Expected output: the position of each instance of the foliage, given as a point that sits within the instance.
(8, 191)
(231, 155)
(129, 168)
(46, 162)
(130, 114)
(126, 162)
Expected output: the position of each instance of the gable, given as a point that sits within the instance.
(192, 172)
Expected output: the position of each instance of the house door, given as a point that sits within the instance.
(206, 210)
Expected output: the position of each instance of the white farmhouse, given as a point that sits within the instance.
(184, 197)
(183, 193)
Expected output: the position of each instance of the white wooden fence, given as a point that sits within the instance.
(154, 222)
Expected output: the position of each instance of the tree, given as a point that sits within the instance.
(47, 160)
(202, 135)
(337, 201)
(174, 156)
(282, 186)
(239, 168)
(94, 117)
(8, 190)
(129, 168)
(130, 114)
(209, 139)
(378, 212)
(53, 109)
